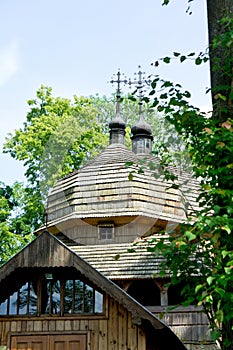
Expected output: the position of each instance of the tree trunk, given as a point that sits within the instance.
(221, 74)
(220, 58)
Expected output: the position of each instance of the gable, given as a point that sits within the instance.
(46, 251)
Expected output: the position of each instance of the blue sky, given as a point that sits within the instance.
(75, 46)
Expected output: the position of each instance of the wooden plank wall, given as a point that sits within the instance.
(192, 327)
(115, 332)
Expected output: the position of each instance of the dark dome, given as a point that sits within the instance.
(117, 122)
(141, 127)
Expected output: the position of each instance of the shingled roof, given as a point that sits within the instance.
(117, 261)
(102, 189)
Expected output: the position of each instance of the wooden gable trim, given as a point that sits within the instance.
(47, 251)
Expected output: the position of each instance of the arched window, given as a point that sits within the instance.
(56, 291)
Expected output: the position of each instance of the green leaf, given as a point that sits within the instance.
(210, 279)
(117, 257)
(154, 83)
(160, 108)
(175, 186)
(167, 84)
(215, 335)
(187, 94)
(176, 54)
(140, 171)
(132, 98)
(228, 270)
(221, 292)
(198, 61)
(226, 228)
(220, 96)
(198, 288)
(152, 92)
(155, 102)
(182, 58)
(224, 253)
(130, 176)
(166, 59)
(163, 96)
(190, 236)
(128, 164)
(219, 316)
(131, 250)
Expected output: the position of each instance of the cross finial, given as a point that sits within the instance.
(140, 85)
(118, 81)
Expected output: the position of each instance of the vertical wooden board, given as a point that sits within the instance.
(23, 325)
(37, 326)
(132, 334)
(59, 325)
(4, 331)
(30, 326)
(141, 343)
(113, 325)
(52, 325)
(122, 327)
(103, 334)
(45, 326)
(19, 326)
(84, 325)
(94, 334)
(76, 325)
(13, 326)
(68, 325)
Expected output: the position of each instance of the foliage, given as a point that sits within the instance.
(56, 134)
(54, 141)
(201, 252)
(14, 230)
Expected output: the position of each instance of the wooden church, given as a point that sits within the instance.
(78, 285)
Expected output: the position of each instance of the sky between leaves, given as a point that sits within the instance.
(75, 47)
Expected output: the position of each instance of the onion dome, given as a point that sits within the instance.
(117, 123)
(141, 128)
(117, 129)
(141, 137)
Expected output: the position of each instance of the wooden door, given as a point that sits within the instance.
(24, 342)
(69, 342)
(49, 342)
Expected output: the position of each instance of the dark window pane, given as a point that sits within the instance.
(53, 292)
(68, 296)
(88, 299)
(32, 299)
(78, 296)
(56, 297)
(23, 299)
(106, 232)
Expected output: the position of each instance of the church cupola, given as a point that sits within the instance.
(117, 125)
(141, 137)
(141, 132)
(117, 130)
